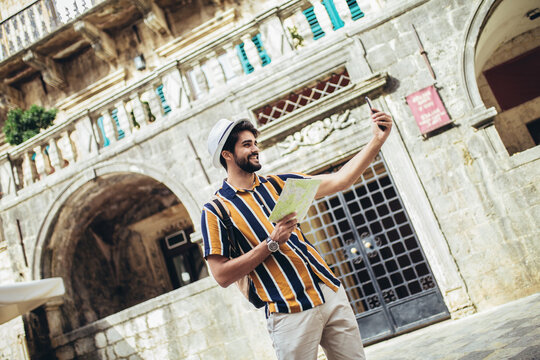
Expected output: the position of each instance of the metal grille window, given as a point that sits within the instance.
(302, 97)
(366, 237)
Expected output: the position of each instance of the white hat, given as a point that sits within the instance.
(217, 138)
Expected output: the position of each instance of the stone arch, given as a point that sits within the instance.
(99, 236)
(472, 34)
(177, 187)
(500, 40)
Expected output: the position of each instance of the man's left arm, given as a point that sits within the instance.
(355, 167)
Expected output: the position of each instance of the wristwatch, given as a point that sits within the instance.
(273, 246)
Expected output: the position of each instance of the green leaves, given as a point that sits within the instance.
(23, 125)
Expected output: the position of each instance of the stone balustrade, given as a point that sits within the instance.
(174, 87)
(36, 21)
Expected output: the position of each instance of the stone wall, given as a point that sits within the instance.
(200, 321)
(12, 342)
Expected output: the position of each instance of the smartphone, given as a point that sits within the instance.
(368, 101)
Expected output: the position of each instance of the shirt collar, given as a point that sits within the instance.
(228, 191)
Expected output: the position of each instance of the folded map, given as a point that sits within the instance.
(297, 196)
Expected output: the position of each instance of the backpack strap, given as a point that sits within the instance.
(224, 215)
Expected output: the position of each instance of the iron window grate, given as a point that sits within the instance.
(302, 97)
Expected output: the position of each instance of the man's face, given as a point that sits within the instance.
(246, 152)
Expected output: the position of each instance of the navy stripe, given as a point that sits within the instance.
(269, 285)
(267, 196)
(294, 280)
(260, 231)
(206, 239)
(225, 250)
(284, 177)
(302, 247)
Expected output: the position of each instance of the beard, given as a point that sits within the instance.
(246, 165)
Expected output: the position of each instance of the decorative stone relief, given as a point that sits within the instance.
(316, 132)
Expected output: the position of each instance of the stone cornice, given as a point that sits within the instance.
(85, 97)
(184, 44)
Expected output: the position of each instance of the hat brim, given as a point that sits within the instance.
(222, 141)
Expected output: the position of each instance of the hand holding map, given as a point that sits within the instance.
(297, 196)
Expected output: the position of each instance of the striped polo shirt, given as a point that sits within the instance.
(288, 280)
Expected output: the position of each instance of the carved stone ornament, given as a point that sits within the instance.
(316, 133)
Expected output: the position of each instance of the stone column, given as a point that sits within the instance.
(123, 119)
(7, 179)
(87, 144)
(251, 50)
(276, 37)
(28, 169)
(56, 160)
(200, 79)
(173, 89)
(54, 317)
(233, 60)
(154, 102)
(139, 113)
(214, 70)
(66, 148)
(109, 129)
(39, 162)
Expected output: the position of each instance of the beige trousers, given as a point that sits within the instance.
(333, 325)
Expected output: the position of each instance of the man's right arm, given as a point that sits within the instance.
(226, 271)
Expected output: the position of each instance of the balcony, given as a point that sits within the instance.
(36, 21)
(102, 119)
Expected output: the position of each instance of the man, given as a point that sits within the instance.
(305, 302)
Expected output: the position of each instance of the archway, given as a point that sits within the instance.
(118, 240)
(500, 68)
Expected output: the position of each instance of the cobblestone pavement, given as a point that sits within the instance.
(509, 331)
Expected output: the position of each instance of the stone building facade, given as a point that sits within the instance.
(443, 224)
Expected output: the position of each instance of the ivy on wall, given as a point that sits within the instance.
(22, 125)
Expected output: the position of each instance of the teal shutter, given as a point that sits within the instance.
(241, 52)
(161, 94)
(114, 115)
(265, 59)
(355, 10)
(337, 23)
(313, 23)
(106, 141)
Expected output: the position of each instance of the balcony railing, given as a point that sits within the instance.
(188, 82)
(36, 21)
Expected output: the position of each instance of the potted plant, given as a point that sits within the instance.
(23, 125)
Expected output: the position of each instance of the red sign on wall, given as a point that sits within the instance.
(428, 109)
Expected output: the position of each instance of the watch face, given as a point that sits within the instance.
(273, 246)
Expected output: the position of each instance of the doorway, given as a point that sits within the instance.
(367, 238)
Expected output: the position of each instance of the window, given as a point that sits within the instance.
(183, 258)
(534, 129)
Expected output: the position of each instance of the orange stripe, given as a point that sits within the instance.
(212, 223)
(322, 262)
(258, 213)
(281, 282)
(242, 225)
(303, 272)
